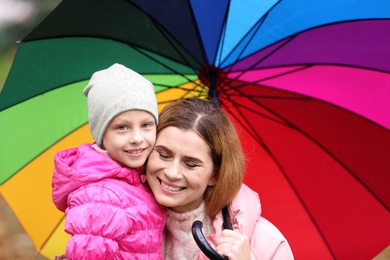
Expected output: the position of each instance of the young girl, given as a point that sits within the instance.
(110, 211)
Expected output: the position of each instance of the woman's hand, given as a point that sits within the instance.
(233, 245)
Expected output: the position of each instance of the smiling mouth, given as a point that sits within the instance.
(169, 187)
(135, 151)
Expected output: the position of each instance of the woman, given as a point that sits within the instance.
(196, 169)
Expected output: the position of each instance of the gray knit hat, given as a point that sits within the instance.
(113, 91)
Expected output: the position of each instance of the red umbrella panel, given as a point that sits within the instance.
(326, 192)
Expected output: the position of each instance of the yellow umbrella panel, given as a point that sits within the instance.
(29, 195)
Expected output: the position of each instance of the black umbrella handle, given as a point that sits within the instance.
(227, 224)
(202, 242)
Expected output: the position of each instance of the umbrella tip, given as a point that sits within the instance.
(212, 77)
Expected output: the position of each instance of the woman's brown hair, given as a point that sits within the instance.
(211, 123)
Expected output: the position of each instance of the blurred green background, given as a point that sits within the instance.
(17, 19)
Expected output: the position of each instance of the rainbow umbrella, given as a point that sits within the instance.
(307, 84)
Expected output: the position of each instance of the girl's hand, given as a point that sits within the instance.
(233, 245)
(60, 257)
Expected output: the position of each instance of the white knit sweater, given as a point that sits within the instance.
(179, 243)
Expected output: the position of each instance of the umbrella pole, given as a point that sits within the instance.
(213, 79)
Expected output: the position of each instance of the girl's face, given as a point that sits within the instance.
(179, 169)
(130, 137)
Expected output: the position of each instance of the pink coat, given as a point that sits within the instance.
(110, 213)
(266, 241)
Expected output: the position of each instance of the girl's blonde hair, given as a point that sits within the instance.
(211, 123)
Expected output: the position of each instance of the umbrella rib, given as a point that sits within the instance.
(273, 97)
(264, 58)
(177, 86)
(271, 77)
(167, 67)
(220, 50)
(237, 87)
(138, 48)
(222, 41)
(51, 233)
(165, 32)
(258, 24)
(228, 80)
(338, 65)
(252, 131)
(200, 43)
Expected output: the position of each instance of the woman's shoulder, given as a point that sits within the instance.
(247, 199)
(245, 210)
(248, 191)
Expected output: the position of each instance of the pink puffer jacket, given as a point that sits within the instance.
(110, 213)
(266, 241)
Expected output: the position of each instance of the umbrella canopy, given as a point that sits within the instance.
(307, 84)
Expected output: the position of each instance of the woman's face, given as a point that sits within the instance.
(179, 169)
